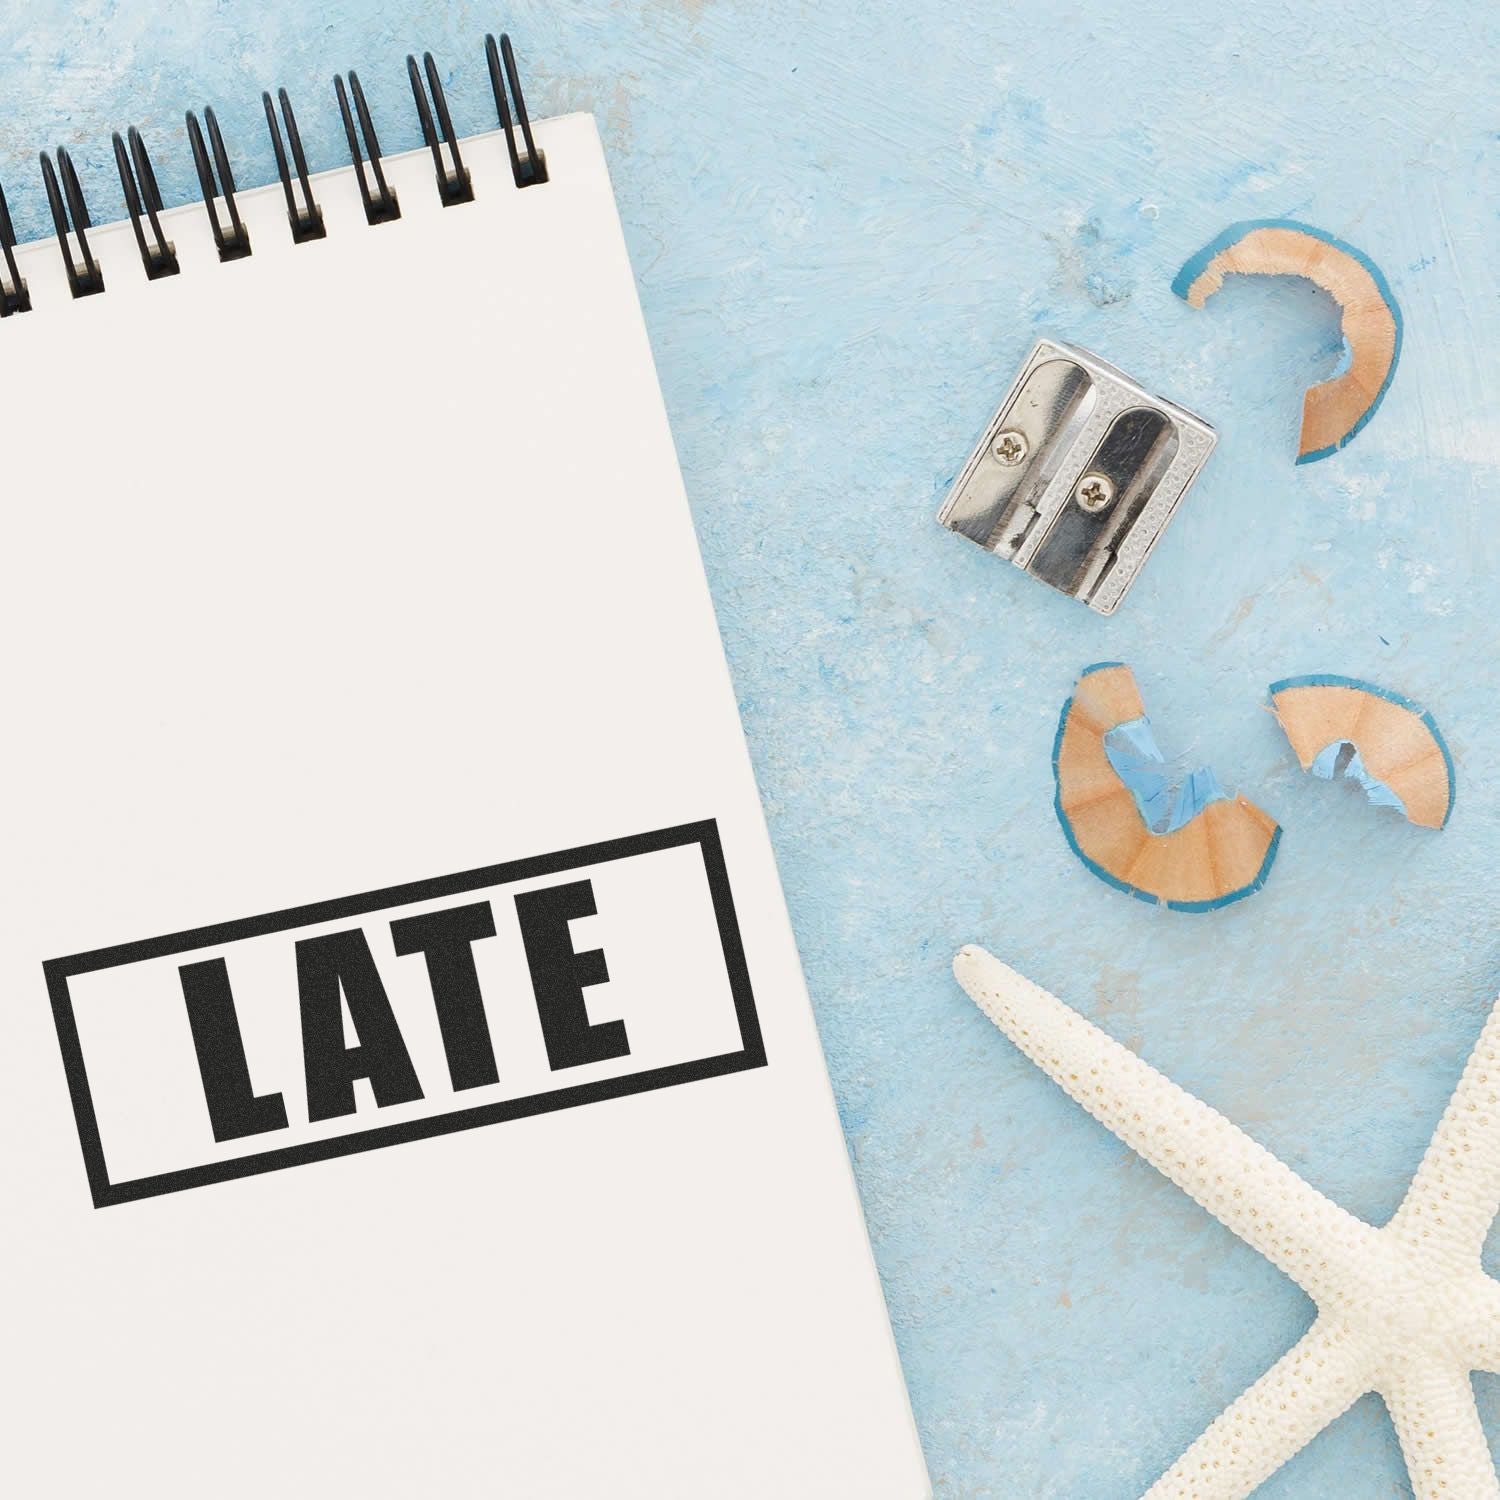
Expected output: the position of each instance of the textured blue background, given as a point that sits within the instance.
(848, 224)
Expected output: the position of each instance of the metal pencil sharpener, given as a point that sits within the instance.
(1078, 474)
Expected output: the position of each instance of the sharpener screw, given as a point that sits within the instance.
(1094, 492)
(1010, 448)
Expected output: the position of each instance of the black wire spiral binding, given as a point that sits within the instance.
(14, 297)
(306, 217)
(233, 243)
(143, 200)
(83, 281)
(532, 170)
(138, 180)
(454, 185)
(380, 202)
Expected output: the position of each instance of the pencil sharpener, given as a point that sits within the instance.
(1078, 474)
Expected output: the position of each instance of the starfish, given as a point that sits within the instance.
(1405, 1309)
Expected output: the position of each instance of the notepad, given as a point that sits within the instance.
(407, 1082)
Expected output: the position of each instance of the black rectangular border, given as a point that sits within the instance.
(751, 1054)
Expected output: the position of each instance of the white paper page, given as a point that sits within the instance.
(345, 586)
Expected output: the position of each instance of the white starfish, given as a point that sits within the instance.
(1405, 1310)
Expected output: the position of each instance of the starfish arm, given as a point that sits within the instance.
(1239, 1182)
(1432, 1405)
(1315, 1381)
(1453, 1198)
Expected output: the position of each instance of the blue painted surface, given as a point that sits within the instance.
(849, 223)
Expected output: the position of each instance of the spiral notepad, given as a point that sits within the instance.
(407, 1084)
